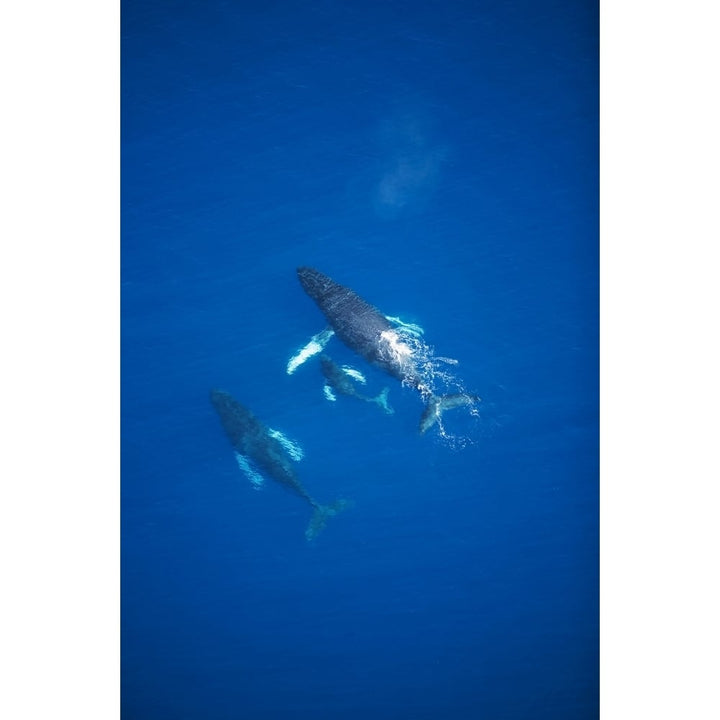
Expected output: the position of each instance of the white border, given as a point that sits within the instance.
(659, 358)
(59, 294)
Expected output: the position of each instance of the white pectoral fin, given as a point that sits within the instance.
(411, 328)
(252, 475)
(316, 345)
(355, 374)
(294, 450)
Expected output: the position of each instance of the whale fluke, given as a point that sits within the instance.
(321, 515)
(382, 401)
(439, 403)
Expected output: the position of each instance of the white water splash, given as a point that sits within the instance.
(435, 379)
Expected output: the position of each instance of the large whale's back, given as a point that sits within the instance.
(357, 323)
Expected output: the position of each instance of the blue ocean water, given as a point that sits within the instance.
(440, 158)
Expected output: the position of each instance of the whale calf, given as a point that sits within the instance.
(366, 331)
(260, 453)
(338, 379)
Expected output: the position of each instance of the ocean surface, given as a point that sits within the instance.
(441, 159)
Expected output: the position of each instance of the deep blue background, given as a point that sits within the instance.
(441, 158)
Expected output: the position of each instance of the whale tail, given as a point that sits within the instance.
(321, 513)
(439, 403)
(382, 401)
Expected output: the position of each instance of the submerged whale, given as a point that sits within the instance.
(365, 330)
(255, 443)
(338, 379)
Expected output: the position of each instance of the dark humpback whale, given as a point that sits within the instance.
(337, 379)
(252, 440)
(364, 329)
